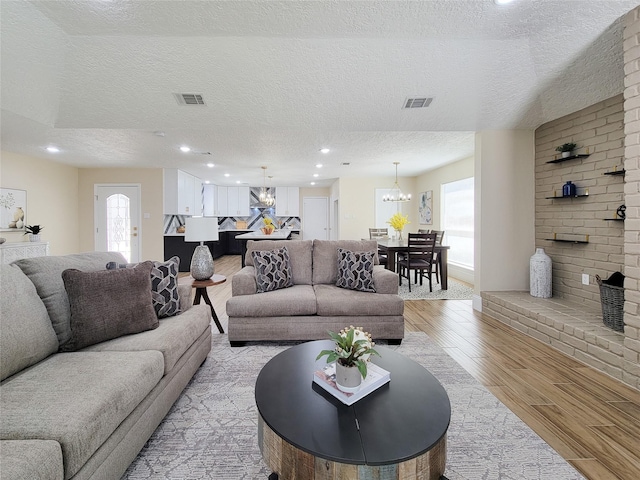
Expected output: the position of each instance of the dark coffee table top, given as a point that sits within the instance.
(399, 421)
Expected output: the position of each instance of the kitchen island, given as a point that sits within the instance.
(284, 234)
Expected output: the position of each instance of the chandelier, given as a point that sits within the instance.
(265, 196)
(395, 194)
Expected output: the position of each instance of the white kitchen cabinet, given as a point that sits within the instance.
(238, 202)
(209, 200)
(287, 201)
(179, 192)
(197, 197)
(222, 205)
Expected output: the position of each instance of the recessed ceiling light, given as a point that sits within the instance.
(318, 165)
(238, 181)
(227, 175)
(207, 182)
(185, 149)
(324, 150)
(313, 183)
(502, 2)
(316, 175)
(53, 149)
(210, 165)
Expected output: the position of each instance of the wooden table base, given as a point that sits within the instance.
(291, 463)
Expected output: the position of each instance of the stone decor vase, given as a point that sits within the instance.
(540, 274)
(348, 379)
(202, 263)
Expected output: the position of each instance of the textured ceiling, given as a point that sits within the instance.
(283, 79)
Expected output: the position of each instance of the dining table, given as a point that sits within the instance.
(392, 247)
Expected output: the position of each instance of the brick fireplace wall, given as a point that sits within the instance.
(631, 346)
(610, 130)
(598, 130)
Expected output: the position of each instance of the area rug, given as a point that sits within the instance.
(455, 291)
(211, 431)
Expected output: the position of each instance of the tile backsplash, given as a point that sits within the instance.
(254, 222)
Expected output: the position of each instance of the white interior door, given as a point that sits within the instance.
(315, 218)
(117, 220)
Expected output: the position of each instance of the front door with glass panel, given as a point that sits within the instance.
(117, 220)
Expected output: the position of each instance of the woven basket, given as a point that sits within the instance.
(612, 300)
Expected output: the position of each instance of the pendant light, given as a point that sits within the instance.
(395, 194)
(265, 196)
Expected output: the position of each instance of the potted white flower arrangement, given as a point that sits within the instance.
(353, 347)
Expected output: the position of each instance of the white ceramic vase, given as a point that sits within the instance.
(348, 379)
(540, 274)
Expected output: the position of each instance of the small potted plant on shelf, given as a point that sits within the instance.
(353, 347)
(33, 231)
(566, 149)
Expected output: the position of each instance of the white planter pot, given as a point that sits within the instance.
(540, 274)
(348, 379)
(34, 237)
(566, 154)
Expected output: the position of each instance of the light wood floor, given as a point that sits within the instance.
(589, 418)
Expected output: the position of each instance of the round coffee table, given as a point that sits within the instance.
(398, 431)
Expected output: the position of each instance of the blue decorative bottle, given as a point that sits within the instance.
(569, 189)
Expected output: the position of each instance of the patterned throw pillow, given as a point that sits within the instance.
(273, 269)
(355, 270)
(164, 285)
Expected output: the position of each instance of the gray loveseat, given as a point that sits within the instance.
(87, 413)
(314, 304)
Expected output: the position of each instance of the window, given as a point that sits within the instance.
(119, 225)
(457, 221)
(385, 210)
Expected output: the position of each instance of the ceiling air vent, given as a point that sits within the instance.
(189, 99)
(345, 164)
(418, 102)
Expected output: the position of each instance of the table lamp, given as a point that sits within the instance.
(201, 229)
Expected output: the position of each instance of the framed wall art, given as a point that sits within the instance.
(13, 210)
(425, 207)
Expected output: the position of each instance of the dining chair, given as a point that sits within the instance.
(375, 233)
(419, 258)
(436, 259)
(378, 233)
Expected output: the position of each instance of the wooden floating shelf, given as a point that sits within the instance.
(616, 172)
(566, 241)
(561, 159)
(570, 196)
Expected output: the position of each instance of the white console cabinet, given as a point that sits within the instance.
(10, 252)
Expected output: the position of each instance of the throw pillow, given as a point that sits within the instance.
(355, 270)
(108, 304)
(164, 285)
(273, 269)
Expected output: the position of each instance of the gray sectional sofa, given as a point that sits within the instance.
(314, 304)
(86, 413)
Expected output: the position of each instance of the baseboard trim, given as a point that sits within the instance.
(477, 303)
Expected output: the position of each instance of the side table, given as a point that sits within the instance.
(201, 292)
